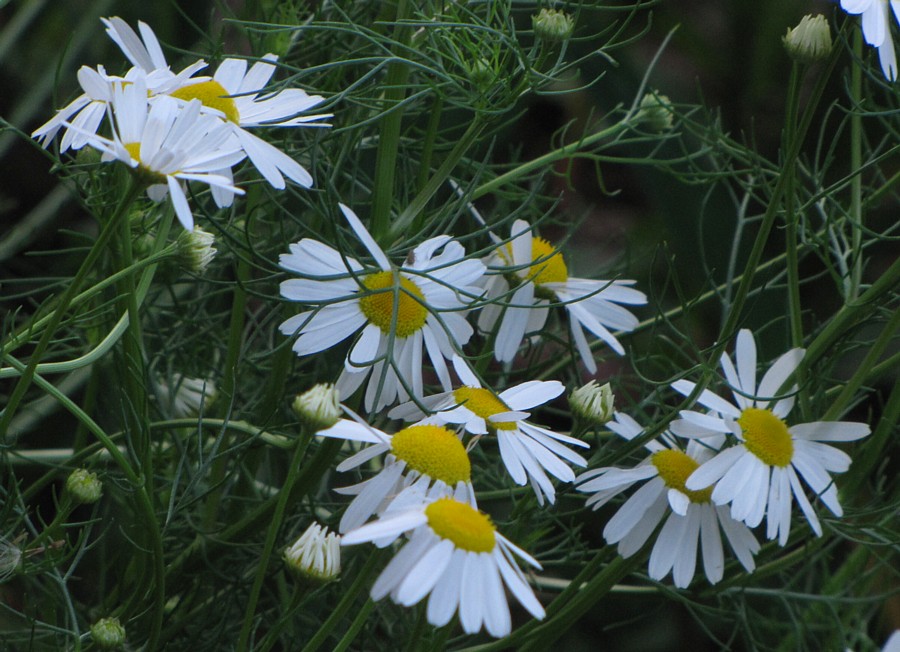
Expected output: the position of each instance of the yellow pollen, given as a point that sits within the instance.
(484, 404)
(213, 95)
(466, 527)
(552, 266)
(378, 307)
(674, 468)
(134, 150)
(433, 451)
(142, 171)
(766, 436)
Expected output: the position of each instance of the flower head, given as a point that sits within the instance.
(400, 310)
(196, 250)
(529, 452)
(319, 407)
(759, 475)
(184, 396)
(690, 516)
(552, 25)
(454, 555)
(108, 634)
(810, 40)
(84, 486)
(593, 403)
(539, 275)
(316, 555)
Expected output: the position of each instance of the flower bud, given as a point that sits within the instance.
(481, 74)
(84, 486)
(810, 40)
(185, 396)
(316, 555)
(655, 112)
(552, 25)
(196, 250)
(592, 403)
(10, 557)
(108, 634)
(319, 408)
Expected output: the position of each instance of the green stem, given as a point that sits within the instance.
(872, 452)
(855, 165)
(431, 131)
(355, 626)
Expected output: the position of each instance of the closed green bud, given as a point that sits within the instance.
(319, 408)
(196, 250)
(108, 634)
(84, 486)
(810, 40)
(316, 556)
(655, 112)
(552, 25)
(593, 403)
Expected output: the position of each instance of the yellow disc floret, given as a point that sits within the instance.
(767, 436)
(484, 404)
(465, 526)
(385, 297)
(433, 451)
(143, 172)
(674, 468)
(551, 267)
(213, 95)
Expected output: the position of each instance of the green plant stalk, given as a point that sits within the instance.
(355, 626)
(389, 136)
(855, 166)
(271, 637)
(348, 599)
(870, 454)
(431, 131)
(97, 250)
(271, 535)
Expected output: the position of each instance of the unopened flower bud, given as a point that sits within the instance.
(196, 250)
(810, 40)
(482, 74)
(316, 555)
(593, 403)
(552, 25)
(108, 634)
(655, 112)
(10, 557)
(319, 408)
(185, 396)
(84, 486)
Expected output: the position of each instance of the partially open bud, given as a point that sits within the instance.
(552, 25)
(186, 397)
(810, 40)
(593, 403)
(84, 486)
(319, 408)
(655, 112)
(10, 557)
(196, 250)
(108, 634)
(316, 555)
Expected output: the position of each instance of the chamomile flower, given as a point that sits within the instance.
(876, 29)
(539, 275)
(168, 144)
(457, 558)
(401, 311)
(759, 474)
(234, 94)
(690, 516)
(529, 452)
(86, 112)
(425, 455)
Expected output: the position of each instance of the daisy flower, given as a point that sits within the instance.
(399, 310)
(234, 94)
(690, 516)
(425, 455)
(876, 29)
(457, 558)
(167, 144)
(528, 451)
(86, 111)
(540, 276)
(759, 474)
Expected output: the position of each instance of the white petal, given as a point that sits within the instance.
(831, 430)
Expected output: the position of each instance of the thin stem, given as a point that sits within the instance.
(855, 165)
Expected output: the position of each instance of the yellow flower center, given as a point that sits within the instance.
(466, 527)
(433, 451)
(551, 267)
(211, 94)
(484, 404)
(145, 173)
(767, 436)
(674, 468)
(386, 298)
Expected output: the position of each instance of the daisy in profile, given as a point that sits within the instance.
(529, 452)
(86, 112)
(876, 29)
(168, 144)
(402, 311)
(426, 456)
(457, 558)
(690, 515)
(539, 276)
(759, 474)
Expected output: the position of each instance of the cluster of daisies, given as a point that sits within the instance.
(741, 463)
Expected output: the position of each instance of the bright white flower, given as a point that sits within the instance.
(528, 451)
(316, 555)
(185, 396)
(400, 311)
(168, 144)
(234, 94)
(86, 112)
(876, 28)
(428, 456)
(455, 556)
(692, 517)
(759, 475)
(542, 277)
